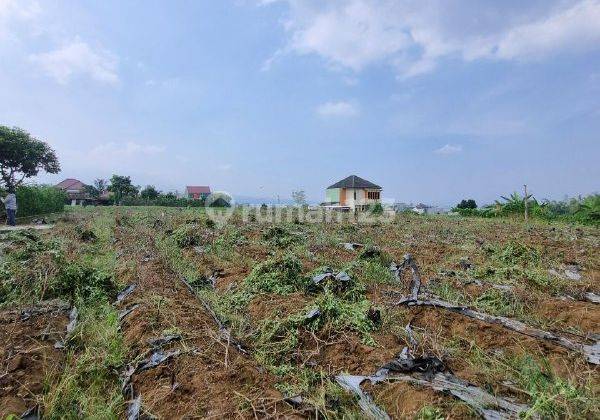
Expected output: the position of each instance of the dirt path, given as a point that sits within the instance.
(204, 376)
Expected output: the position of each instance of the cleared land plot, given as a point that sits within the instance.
(253, 319)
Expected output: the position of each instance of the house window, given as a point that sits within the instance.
(355, 195)
(373, 195)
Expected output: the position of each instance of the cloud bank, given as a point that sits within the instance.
(413, 36)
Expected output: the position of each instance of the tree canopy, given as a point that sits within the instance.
(121, 186)
(23, 156)
(299, 197)
(467, 204)
(150, 192)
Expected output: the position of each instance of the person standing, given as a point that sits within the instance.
(10, 203)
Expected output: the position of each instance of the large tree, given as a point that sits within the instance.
(149, 193)
(23, 156)
(121, 186)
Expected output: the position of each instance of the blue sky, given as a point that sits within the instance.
(434, 100)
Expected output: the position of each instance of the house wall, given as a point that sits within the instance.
(346, 197)
(332, 195)
(361, 197)
(354, 196)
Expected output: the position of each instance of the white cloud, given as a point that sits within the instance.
(338, 109)
(21, 9)
(448, 149)
(125, 150)
(413, 36)
(575, 28)
(14, 14)
(78, 58)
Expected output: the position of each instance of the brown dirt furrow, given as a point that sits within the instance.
(28, 356)
(209, 379)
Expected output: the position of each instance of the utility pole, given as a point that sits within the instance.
(525, 198)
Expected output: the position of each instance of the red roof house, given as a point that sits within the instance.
(198, 192)
(71, 185)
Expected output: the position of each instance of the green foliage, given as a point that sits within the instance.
(163, 200)
(343, 315)
(23, 156)
(92, 191)
(499, 302)
(466, 204)
(549, 395)
(187, 235)
(280, 275)
(149, 193)
(430, 413)
(36, 268)
(76, 279)
(121, 187)
(280, 236)
(583, 210)
(376, 208)
(514, 253)
(89, 383)
(34, 200)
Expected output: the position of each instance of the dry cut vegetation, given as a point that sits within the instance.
(137, 312)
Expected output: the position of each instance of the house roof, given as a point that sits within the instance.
(354, 181)
(197, 189)
(70, 184)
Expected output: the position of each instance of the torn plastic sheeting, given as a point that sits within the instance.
(166, 339)
(411, 336)
(341, 276)
(125, 292)
(44, 308)
(156, 359)
(32, 413)
(489, 406)
(427, 365)
(592, 297)
(398, 270)
(295, 401)
(127, 311)
(317, 279)
(226, 335)
(133, 408)
(313, 314)
(591, 353)
(351, 246)
(352, 383)
(213, 281)
(72, 320)
(73, 315)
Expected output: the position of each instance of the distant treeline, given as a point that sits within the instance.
(162, 200)
(584, 210)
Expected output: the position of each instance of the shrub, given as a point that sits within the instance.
(277, 275)
(376, 208)
(33, 200)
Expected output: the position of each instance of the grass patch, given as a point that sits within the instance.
(90, 382)
(548, 394)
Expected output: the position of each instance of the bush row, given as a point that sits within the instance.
(162, 201)
(583, 210)
(33, 200)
